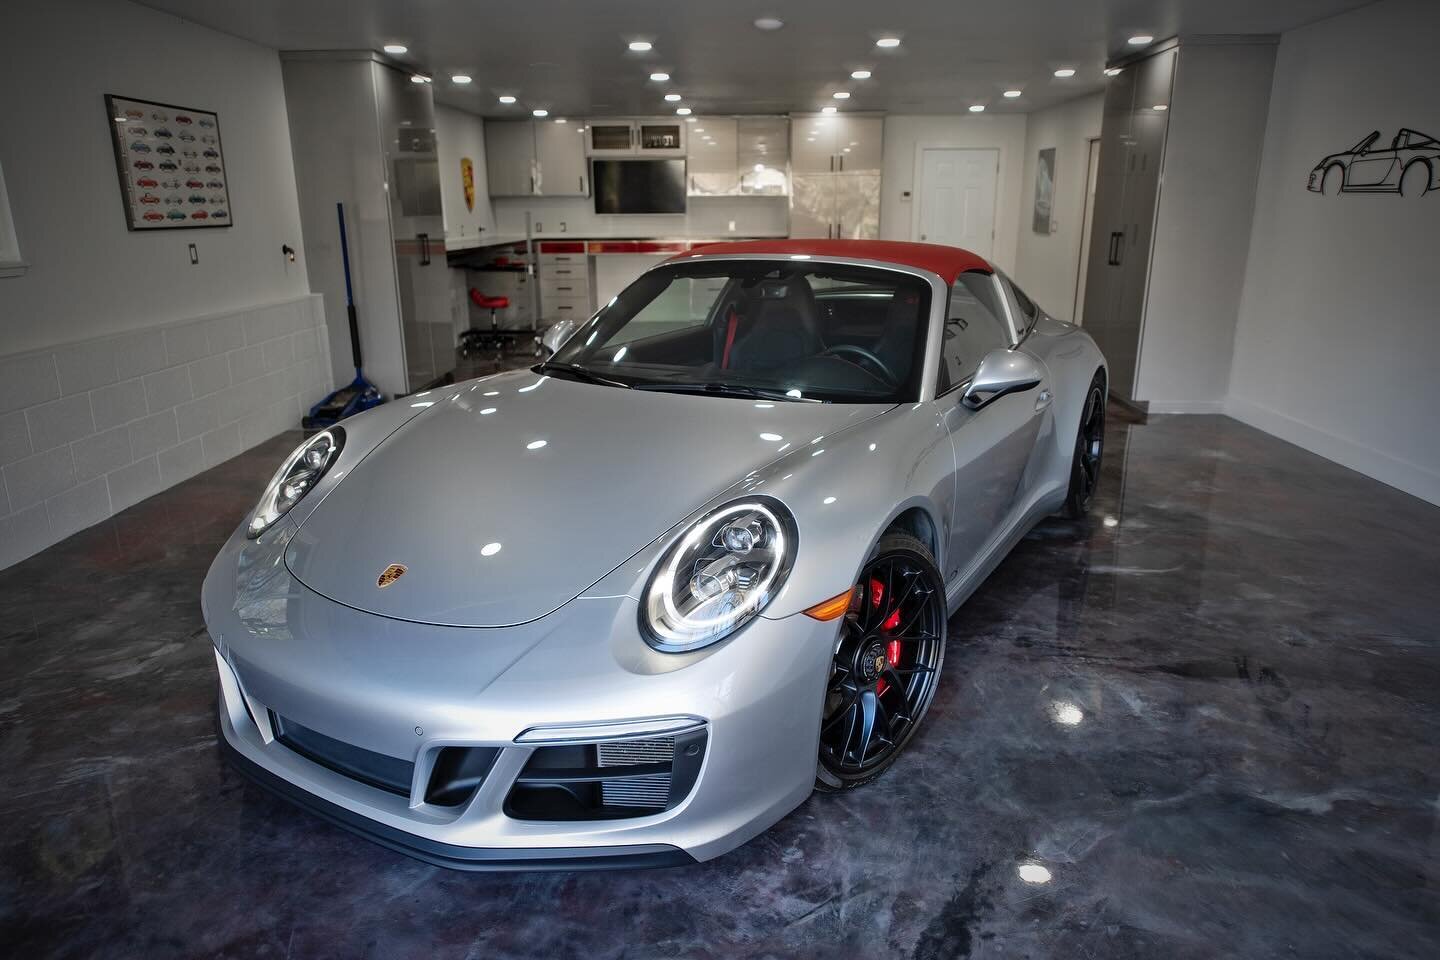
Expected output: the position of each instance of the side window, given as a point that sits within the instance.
(973, 327)
(1028, 310)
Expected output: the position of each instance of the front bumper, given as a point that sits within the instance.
(407, 691)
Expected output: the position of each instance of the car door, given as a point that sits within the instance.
(992, 445)
(1369, 167)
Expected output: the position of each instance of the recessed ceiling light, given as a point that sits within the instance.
(769, 23)
(1112, 71)
(811, 139)
(559, 119)
(1140, 40)
(827, 109)
(683, 111)
(540, 112)
(888, 43)
(460, 78)
(419, 78)
(396, 48)
(673, 98)
(1162, 106)
(1064, 72)
(977, 108)
(641, 46)
(841, 94)
(659, 77)
(859, 74)
(507, 99)
(692, 120)
(1012, 94)
(698, 129)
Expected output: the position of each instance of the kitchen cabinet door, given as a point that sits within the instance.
(812, 144)
(812, 205)
(711, 164)
(763, 155)
(858, 143)
(560, 160)
(510, 157)
(857, 206)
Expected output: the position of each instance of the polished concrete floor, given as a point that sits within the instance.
(1211, 713)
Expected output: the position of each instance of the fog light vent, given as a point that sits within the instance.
(636, 791)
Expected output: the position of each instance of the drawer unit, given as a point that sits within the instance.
(563, 272)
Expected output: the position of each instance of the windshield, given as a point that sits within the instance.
(794, 331)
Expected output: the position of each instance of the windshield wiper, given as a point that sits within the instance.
(578, 372)
(721, 389)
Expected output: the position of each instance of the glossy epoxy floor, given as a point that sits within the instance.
(1211, 713)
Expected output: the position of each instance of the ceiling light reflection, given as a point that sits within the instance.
(1066, 713)
(490, 549)
(1034, 873)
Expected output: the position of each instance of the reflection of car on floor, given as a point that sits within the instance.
(1409, 166)
(812, 453)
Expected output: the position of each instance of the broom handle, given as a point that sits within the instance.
(349, 295)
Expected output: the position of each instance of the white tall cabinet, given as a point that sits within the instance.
(363, 135)
(535, 158)
(835, 163)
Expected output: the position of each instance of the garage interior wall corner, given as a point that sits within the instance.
(125, 368)
(1337, 335)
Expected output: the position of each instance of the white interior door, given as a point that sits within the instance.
(957, 198)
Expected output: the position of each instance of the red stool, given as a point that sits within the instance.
(476, 338)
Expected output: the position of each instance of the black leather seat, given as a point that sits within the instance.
(772, 331)
(896, 346)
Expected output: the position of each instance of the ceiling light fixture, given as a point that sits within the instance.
(673, 98)
(1162, 106)
(507, 99)
(419, 78)
(460, 78)
(828, 110)
(1140, 40)
(396, 48)
(641, 46)
(841, 94)
(888, 43)
(1012, 94)
(559, 119)
(977, 108)
(1112, 71)
(659, 77)
(540, 112)
(769, 23)
(692, 120)
(859, 74)
(1065, 72)
(683, 112)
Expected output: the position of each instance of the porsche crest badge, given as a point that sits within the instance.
(390, 574)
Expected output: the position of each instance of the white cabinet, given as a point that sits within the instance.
(835, 188)
(738, 156)
(636, 138)
(535, 158)
(712, 161)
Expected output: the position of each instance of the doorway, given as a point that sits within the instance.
(955, 191)
(1092, 177)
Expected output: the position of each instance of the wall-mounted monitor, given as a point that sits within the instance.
(639, 186)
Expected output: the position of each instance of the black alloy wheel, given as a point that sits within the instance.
(886, 665)
(1089, 449)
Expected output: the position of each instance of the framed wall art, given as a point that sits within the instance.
(171, 165)
(1044, 190)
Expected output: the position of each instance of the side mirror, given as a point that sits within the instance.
(1002, 372)
(556, 334)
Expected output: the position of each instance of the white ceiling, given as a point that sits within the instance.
(570, 56)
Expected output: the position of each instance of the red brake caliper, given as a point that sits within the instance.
(892, 649)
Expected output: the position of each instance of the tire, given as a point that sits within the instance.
(1415, 179)
(899, 690)
(1089, 451)
(1332, 185)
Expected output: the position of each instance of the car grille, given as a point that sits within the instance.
(608, 780)
(376, 769)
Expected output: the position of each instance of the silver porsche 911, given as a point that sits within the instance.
(631, 606)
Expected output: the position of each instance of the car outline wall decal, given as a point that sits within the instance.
(1412, 159)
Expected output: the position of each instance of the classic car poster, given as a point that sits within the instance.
(171, 165)
(1044, 190)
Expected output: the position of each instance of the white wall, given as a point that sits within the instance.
(1217, 116)
(705, 218)
(460, 134)
(88, 275)
(1047, 264)
(905, 135)
(1339, 328)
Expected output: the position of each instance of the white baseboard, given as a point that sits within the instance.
(1385, 467)
(1187, 406)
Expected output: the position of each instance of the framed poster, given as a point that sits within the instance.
(171, 165)
(1044, 190)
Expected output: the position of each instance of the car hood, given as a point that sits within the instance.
(510, 496)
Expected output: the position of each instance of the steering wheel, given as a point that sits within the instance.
(865, 355)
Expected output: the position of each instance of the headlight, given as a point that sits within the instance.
(296, 477)
(719, 576)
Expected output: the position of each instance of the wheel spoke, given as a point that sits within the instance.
(868, 704)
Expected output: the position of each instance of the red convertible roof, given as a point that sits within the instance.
(948, 262)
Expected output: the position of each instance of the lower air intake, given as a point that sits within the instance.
(652, 792)
(609, 780)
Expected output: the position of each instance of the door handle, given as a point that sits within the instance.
(1043, 400)
(582, 183)
(1119, 247)
(842, 164)
(424, 239)
(839, 229)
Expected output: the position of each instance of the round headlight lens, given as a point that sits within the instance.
(296, 477)
(719, 575)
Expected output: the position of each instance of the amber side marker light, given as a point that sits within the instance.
(833, 608)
